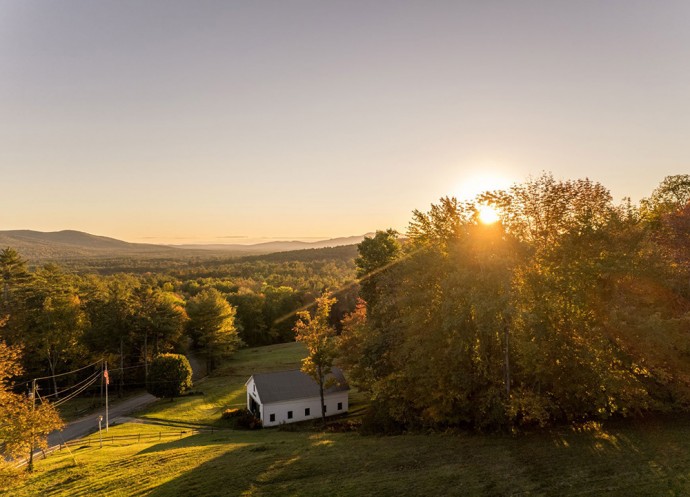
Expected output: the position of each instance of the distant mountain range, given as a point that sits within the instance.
(38, 246)
(277, 246)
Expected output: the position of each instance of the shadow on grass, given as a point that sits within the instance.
(152, 420)
(227, 437)
(626, 457)
(652, 459)
(236, 472)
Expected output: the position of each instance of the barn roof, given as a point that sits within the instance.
(294, 384)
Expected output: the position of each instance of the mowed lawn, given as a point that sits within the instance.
(225, 387)
(649, 457)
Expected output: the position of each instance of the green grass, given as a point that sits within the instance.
(225, 387)
(649, 457)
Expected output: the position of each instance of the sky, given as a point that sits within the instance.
(235, 122)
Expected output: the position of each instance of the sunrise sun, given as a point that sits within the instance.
(487, 214)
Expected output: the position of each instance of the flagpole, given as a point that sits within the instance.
(107, 381)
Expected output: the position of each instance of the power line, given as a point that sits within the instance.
(76, 385)
(94, 378)
(68, 372)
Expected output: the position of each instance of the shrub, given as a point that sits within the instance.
(170, 375)
(378, 421)
(241, 418)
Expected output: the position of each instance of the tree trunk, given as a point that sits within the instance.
(146, 355)
(52, 364)
(122, 370)
(30, 466)
(323, 405)
(507, 363)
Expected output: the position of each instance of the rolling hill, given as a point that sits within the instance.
(278, 246)
(69, 244)
(39, 247)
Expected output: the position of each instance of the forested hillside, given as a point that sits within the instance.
(76, 249)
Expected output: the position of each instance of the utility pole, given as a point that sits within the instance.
(146, 355)
(107, 381)
(122, 369)
(100, 400)
(31, 429)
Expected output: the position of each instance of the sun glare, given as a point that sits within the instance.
(488, 214)
(480, 182)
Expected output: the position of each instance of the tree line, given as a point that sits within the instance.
(62, 318)
(57, 319)
(569, 308)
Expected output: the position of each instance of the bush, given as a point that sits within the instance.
(170, 375)
(378, 421)
(241, 418)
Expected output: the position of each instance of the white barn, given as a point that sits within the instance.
(291, 396)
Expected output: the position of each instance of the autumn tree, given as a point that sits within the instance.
(569, 307)
(24, 422)
(319, 337)
(446, 308)
(672, 195)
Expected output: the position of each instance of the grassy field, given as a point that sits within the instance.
(225, 388)
(620, 459)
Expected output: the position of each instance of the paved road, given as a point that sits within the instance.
(89, 424)
(197, 363)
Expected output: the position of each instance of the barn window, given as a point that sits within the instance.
(307, 411)
(340, 406)
(272, 417)
(289, 414)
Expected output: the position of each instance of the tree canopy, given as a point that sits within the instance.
(319, 336)
(568, 308)
(25, 422)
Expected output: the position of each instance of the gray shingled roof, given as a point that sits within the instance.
(288, 385)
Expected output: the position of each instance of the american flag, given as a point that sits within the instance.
(107, 378)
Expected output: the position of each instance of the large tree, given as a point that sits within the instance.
(316, 332)
(211, 326)
(375, 254)
(25, 422)
(52, 320)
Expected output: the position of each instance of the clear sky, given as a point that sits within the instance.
(232, 121)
